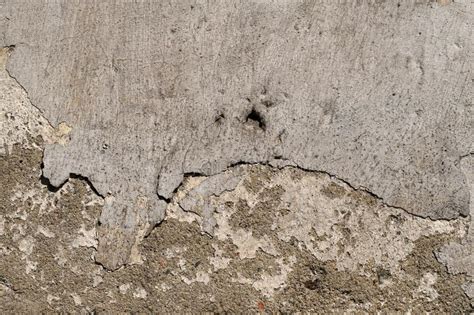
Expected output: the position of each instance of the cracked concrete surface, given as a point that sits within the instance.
(258, 156)
(153, 91)
(459, 256)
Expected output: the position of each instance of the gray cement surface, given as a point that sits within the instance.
(138, 100)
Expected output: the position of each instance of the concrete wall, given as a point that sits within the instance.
(233, 156)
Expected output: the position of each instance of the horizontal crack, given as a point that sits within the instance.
(295, 165)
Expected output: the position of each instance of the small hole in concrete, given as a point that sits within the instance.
(257, 118)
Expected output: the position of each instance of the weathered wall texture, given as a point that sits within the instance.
(236, 156)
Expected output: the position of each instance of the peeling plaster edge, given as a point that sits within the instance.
(267, 162)
(286, 163)
(11, 49)
(289, 163)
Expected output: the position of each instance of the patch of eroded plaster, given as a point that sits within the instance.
(257, 208)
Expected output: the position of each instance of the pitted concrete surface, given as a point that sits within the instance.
(306, 155)
(378, 94)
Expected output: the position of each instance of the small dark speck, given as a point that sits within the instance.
(313, 284)
(219, 118)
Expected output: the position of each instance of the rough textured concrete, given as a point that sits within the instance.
(364, 91)
(345, 251)
(459, 256)
(311, 156)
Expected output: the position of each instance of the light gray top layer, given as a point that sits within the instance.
(377, 93)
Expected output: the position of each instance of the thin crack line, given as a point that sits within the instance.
(295, 165)
(11, 51)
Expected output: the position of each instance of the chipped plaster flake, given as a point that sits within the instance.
(19, 121)
(19, 214)
(135, 257)
(4, 289)
(201, 276)
(44, 231)
(182, 264)
(26, 245)
(197, 200)
(97, 279)
(88, 238)
(30, 266)
(174, 209)
(140, 293)
(164, 287)
(469, 289)
(426, 289)
(123, 288)
(174, 251)
(4, 250)
(218, 261)
(60, 256)
(52, 298)
(242, 280)
(20, 231)
(247, 244)
(76, 269)
(61, 134)
(76, 298)
(38, 196)
(268, 284)
(94, 200)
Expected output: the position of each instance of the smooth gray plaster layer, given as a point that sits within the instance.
(377, 93)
